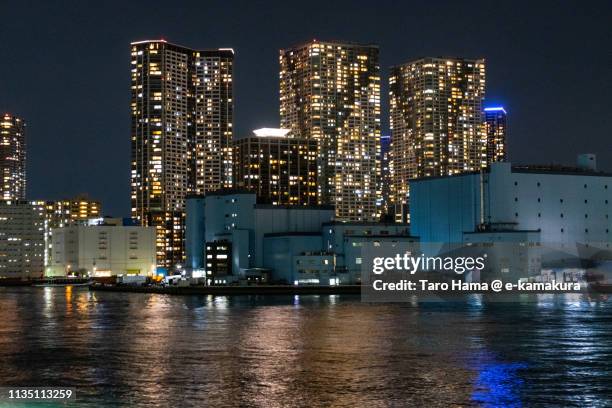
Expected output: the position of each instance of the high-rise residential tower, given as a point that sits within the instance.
(496, 127)
(181, 134)
(281, 170)
(436, 122)
(214, 110)
(12, 158)
(330, 92)
(385, 172)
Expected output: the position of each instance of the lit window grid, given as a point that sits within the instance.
(282, 171)
(330, 92)
(12, 158)
(436, 121)
(181, 104)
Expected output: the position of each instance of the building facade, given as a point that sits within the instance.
(496, 128)
(77, 210)
(297, 258)
(281, 170)
(436, 122)
(219, 261)
(385, 174)
(182, 109)
(330, 92)
(214, 112)
(347, 240)
(12, 157)
(230, 234)
(107, 249)
(565, 206)
(235, 216)
(22, 240)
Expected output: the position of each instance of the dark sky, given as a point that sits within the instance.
(64, 68)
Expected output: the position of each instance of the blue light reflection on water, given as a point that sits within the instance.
(148, 350)
(498, 385)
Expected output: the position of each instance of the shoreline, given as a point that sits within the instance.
(234, 290)
(269, 290)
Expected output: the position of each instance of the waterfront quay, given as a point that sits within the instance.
(233, 290)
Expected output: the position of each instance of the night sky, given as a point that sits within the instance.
(65, 69)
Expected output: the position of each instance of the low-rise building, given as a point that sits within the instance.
(293, 244)
(235, 216)
(567, 210)
(346, 240)
(22, 242)
(218, 260)
(315, 269)
(285, 252)
(109, 248)
(333, 255)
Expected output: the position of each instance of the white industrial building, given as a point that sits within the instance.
(102, 250)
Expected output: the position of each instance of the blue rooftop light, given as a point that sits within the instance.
(495, 109)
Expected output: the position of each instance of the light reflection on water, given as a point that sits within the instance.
(498, 385)
(153, 350)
